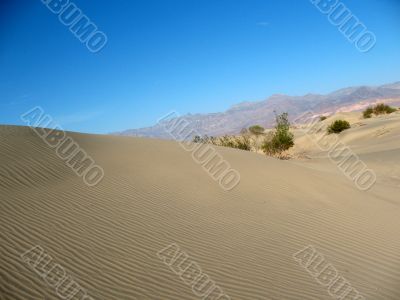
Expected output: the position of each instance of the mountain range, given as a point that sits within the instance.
(262, 113)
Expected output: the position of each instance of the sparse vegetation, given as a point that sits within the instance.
(280, 139)
(196, 139)
(236, 142)
(368, 113)
(379, 109)
(323, 118)
(239, 142)
(338, 126)
(253, 139)
(202, 139)
(256, 129)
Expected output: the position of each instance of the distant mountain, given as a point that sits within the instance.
(246, 114)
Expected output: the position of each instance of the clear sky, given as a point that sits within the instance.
(185, 55)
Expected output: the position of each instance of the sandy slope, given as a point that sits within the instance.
(153, 194)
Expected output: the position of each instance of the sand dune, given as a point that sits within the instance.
(153, 194)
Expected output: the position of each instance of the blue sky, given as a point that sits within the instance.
(190, 56)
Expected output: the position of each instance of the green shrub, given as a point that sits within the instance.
(256, 129)
(368, 113)
(280, 139)
(379, 109)
(323, 118)
(338, 126)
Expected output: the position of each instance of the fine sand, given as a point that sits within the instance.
(153, 194)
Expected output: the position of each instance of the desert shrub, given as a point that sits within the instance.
(200, 139)
(213, 140)
(243, 143)
(338, 126)
(323, 118)
(379, 109)
(204, 139)
(196, 139)
(280, 139)
(256, 129)
(236, 142)
(368, 113)
(226, 141)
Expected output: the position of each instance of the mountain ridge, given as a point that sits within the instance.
(245, 114)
